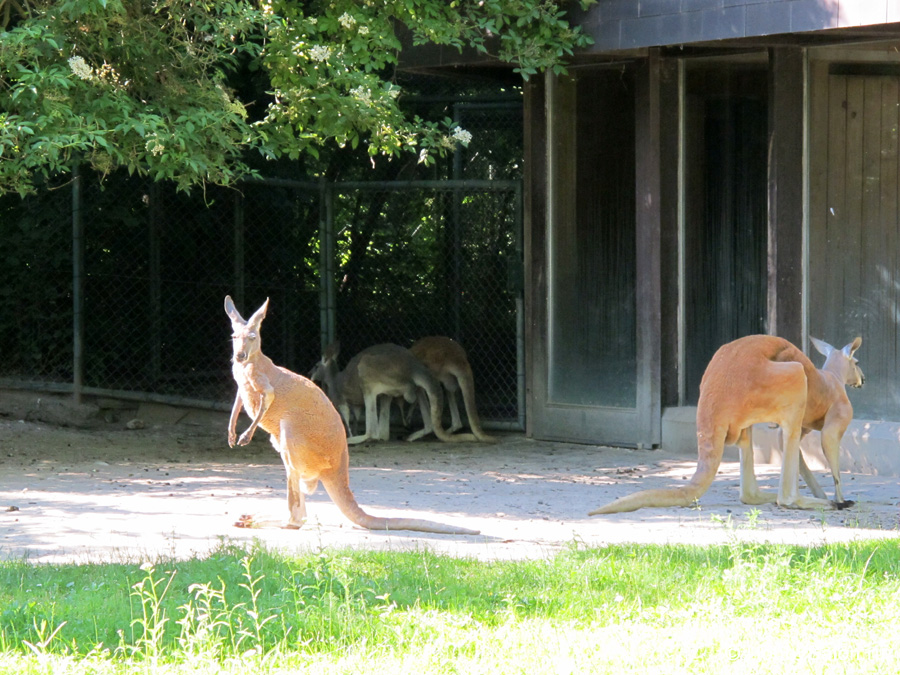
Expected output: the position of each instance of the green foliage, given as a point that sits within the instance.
(139, 85)
(183, 90)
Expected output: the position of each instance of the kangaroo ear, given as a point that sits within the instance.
(821, 346)
(259, 314)
(852, 347)
(232, 312)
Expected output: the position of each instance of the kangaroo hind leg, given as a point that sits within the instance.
(298, 486)
(808, 476)
(788, 486)
(750, 492)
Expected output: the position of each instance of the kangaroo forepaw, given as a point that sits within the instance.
(840, 506)
(245, 439)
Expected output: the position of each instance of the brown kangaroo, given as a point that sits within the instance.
(447, 361)
(762, 378)
(376, 376)
(305, 428)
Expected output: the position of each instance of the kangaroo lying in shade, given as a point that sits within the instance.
(305, 429)
(757, 379)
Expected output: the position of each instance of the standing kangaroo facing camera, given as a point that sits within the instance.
(305, 429)
(757, 379)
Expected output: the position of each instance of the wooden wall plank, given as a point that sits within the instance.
(818, 181)
(829, 276)
(852, 224)
(889, 230)
(871, 236)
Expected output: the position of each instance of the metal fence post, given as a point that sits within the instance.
(326, 263)
(239, 249)
(155, 284)
(77, 287)
(456, 237)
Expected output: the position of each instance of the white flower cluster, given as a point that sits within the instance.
(347, 21)
(319, 53)
(362, 94)
(460, 135)
(80, 67)
(154, 147)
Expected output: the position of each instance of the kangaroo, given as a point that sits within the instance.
(331, 378)
(447, 361)
(762, 378)
(305, 429)
(373, 378)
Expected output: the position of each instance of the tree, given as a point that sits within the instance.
(153, 85)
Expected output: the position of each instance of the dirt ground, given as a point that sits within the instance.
(167, 490)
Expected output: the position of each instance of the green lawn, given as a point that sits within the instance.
(740, 608)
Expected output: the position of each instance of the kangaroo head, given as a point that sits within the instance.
(841, 362)
(327, 365)
(245, 340)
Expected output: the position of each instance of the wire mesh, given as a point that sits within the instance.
(36, 286)
(409, 260)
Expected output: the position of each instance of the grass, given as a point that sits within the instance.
(736, 608)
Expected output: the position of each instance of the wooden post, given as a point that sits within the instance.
(648, 214)
(535, 238)
(786, 194)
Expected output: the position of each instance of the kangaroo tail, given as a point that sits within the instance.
(436, 400)
(710, 447)
(467, 385)
(340, 494)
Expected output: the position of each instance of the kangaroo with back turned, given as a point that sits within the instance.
(376, 376)
(305, 429)
(758, 379)
(447, 361)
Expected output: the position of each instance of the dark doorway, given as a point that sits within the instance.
(725, 225)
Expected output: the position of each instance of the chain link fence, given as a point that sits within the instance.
(360, 262)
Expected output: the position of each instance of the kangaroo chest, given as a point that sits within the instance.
(252, 385)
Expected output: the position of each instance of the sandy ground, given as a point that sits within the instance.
(176, 490)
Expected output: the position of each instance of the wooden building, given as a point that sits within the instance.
(710, 169)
